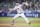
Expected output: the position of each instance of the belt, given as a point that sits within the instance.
(21, 12)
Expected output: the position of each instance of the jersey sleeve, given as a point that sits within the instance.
(15, 8)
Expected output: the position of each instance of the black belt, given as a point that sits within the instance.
(21, 12)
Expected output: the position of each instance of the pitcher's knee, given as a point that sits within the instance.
(13, 18)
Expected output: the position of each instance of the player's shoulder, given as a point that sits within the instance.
(19, 4)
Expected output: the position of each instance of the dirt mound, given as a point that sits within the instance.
(13, 26)
(1, 22)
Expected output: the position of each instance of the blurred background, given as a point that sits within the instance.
(32, 10)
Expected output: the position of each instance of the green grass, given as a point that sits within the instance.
(10, 18)
(21, 19)
(25, 24)
(33, 24)
(5, 18)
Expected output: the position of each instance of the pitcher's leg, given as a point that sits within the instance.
(14, 18)
(22, 15)
(26, 19)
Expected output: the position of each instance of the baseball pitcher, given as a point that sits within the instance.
(20, 12)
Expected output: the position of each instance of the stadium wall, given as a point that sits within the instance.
(27, 14)
(11, 15)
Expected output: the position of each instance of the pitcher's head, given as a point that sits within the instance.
(17, 3)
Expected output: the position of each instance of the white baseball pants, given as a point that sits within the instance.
(22, 15)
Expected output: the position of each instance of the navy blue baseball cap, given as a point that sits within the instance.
(17, 2)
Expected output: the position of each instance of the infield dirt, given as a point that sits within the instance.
(5, 22)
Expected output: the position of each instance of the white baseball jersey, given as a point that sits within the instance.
(19, 9)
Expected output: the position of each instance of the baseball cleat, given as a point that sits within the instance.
(29, 23)
(12, 24)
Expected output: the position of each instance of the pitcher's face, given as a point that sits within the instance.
(17, 4)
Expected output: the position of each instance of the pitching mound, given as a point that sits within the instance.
(1, 22)
(13, 26)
